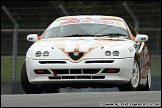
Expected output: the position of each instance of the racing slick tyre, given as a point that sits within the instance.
(26, 85)
(133, 84)
(148, 83)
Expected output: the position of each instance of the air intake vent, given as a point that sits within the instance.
(52, 62)
(100, 61)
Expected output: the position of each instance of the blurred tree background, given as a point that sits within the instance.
(37, 15)
(75, 4)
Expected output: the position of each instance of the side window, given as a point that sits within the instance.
(134, 33)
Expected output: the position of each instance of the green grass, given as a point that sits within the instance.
(155, 66)
(6, 67)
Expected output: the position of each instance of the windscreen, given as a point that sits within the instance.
(86, 28)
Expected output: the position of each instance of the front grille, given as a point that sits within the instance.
(90, 71)
(98, 77)
(76, 71)
(83, 77)
(54, 77)
(76, 77)
(68, 77)
(61, 71)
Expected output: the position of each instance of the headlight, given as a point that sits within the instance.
(38, 54)
(46, 53)
(116, 53)
(107, 53)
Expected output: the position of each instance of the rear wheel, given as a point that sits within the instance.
(26, 85)
(135, 79)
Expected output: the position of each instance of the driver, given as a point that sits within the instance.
(66, 30)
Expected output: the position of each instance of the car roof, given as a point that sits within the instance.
(91, 16)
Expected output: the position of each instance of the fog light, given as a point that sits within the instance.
(116, 53)
(38, 54)
(107, 53)
(46, 53)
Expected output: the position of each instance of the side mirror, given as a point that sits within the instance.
(32, 37)
(141, 38)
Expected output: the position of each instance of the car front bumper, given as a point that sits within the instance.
(53, 76)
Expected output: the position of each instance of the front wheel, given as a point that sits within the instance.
(148, 83)
(26, 85)
(133, 84)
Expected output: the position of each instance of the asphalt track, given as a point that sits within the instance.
(84, 99)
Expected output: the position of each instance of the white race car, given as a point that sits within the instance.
(87, 51)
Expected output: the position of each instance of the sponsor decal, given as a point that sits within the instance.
(119, 23)
(131, 49)
(90, 20)
(73, 21)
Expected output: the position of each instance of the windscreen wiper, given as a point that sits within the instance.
(111, 34)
